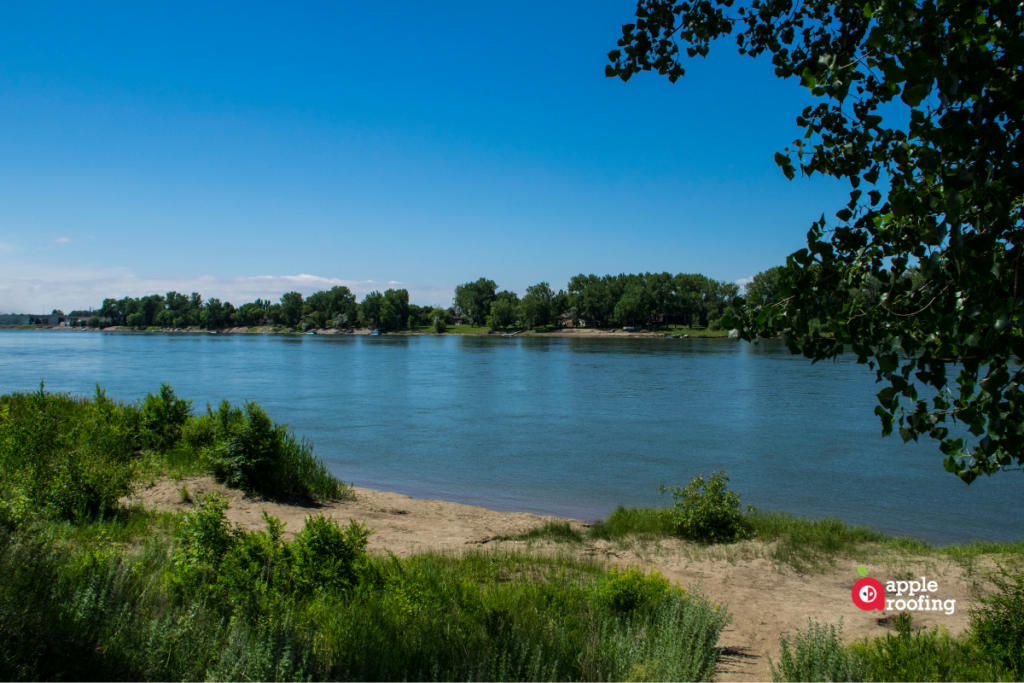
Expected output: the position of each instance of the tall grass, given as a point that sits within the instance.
(161, 610)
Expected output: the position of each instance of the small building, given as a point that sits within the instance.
(568, 320)
(454, 320)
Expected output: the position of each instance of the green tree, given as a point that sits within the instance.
(292, 308)
(503, 314)
(764, 287)
(920, 108)
(536, 308)
(473, 299)
(634, 306)
(438, 320)
(370, 309)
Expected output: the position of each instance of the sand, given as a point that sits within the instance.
(765, 599)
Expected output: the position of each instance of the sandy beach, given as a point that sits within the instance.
(766, 599)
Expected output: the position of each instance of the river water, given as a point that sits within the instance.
(561, 426)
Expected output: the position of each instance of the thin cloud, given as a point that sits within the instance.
(37, 287)
(744, 281)
(62, 241)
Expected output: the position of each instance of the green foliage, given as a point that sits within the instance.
(71, 457)
(438, 320)
(624, 522)
(998, 623)
(291, 308)
(93, 321)
(473, 300)
(261, 456)
(804, 543)
(227, 603)
(818, 654)
(936, 207)
(327, 556)
(632, 590)
(503, 314)
(559, 532)
(706, 511)
(926, 655)
(164, 416)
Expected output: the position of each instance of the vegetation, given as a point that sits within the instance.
(706, 511)
(818, 654)
(921, 110)
(649, 299)
(69, 458)
(90, 589)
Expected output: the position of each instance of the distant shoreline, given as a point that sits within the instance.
(570, 333)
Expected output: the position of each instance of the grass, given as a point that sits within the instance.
(804, 544)
(78, 604)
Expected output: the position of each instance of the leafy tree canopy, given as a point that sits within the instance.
(935, 210)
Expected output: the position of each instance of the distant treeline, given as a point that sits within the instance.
(638, 300)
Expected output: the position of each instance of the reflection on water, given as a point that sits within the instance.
(563, 426)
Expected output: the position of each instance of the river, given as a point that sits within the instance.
(560, 426)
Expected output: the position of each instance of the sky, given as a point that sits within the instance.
(243, 150)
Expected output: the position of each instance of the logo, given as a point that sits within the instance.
(868, 594)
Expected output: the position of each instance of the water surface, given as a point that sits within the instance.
(555, 425)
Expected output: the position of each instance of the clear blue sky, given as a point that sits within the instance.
(235, 147)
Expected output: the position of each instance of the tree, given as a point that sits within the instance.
(503, 314)
(763, 287)
(370, 309)
(473, 299)
(394, 309)
(634, 305)
(291, 308)
(943, 193)
(438, 320)
(536, 307)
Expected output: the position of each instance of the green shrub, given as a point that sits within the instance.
(926, 655)
(327, 556)
(165, 415)
(261, 456)
(706, 511)
(817, 654)
(72, 458)
(632, 590)
(93, 321)
(998, 623)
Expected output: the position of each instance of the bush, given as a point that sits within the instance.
(93, 321)
(927, 655)
(69, 457)
(817, 654)
(998, 624)
(261, 456)
(706, 511)
(328, 557)
(631, 590)
(165, 415)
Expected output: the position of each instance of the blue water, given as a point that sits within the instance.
(555, 425)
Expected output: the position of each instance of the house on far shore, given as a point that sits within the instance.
(567, 320)
(454, 320)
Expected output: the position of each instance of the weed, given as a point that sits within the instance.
(817, 654)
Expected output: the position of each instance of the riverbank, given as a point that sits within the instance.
(266, 329)
(767, 598)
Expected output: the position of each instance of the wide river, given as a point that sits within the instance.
(562, 426)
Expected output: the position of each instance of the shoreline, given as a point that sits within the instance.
(266, 330)
(765, 598)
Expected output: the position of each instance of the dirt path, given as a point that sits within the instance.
(765, 599)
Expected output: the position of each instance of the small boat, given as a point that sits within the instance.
(672, 336)
(375, 333)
